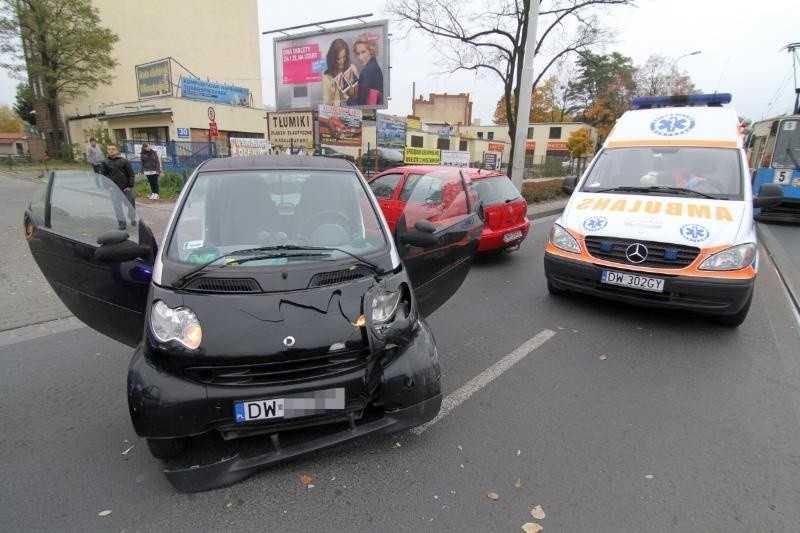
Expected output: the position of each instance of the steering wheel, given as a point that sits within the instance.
(327, 223)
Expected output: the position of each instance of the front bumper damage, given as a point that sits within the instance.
(398, 390)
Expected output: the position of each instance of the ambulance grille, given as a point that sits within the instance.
(659, 254)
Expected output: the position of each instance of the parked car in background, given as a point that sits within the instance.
(378, 159)
(506, 223)
(327, 151)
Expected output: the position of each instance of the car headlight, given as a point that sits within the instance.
(180, 324)
(732, 258)
(384, 305)
(562, 239)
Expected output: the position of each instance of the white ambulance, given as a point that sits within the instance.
(663, 215)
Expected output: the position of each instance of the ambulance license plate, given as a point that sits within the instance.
(634, 281)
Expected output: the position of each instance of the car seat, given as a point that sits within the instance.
(326, 212)
(242, 210)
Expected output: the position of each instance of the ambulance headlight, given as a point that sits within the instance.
(732, 258)
(561, 238)
(180, 324)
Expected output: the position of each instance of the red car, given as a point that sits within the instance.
(505, 210)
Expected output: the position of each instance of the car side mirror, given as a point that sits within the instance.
(116, 247)
(568, 185)
(769, 195)
(423, 235)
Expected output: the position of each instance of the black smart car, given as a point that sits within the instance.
(278, 300)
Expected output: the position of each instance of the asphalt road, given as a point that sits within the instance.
(622, 419)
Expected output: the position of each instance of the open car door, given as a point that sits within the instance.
(104, 285)
(437, 235)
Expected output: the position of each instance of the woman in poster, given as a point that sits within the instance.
(339, 80)
(370, 82)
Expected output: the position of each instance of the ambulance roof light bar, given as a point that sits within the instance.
(710, 100)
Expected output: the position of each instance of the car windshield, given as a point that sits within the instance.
(787, 147)
(496, 190)
(672, 171)
(293, 211)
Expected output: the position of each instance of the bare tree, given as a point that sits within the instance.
(659, 76)
(491, 37)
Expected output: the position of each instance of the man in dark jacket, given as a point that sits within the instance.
(119, 170)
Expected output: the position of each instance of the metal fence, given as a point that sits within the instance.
(178, 156)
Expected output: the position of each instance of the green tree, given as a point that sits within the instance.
(603, 90)
(61, 45)
(9, 121)
(23, 104)
(489, 36)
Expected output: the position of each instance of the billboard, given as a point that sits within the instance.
(390, 131)
(291, 129)
(153, 79)
(242, 146)
(422, 156)
(346, 66)
(339, 126)
(210, 91)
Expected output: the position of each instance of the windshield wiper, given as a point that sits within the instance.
(657, 188)
(189, 276)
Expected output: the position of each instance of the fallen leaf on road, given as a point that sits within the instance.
(229, 505)
(602, 357)
(649, 476)
(104, 513)
(493, 496)
(305, 480)
(538, 513)
(518, 484)
(397, 445)
(532, 527)
(132, 446)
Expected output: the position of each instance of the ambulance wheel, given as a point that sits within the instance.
(555, 291)
(166, 448)
(734, 320)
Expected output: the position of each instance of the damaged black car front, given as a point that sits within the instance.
(278, 302)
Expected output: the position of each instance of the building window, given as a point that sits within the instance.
(490, 135)
(555, 132)
(417, 141)
(480, 135)
(443, 144)
(530, 132)
(120, 135)
(150, 135)
(462, 145)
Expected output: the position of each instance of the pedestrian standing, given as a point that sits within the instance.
(94, 155)
(119, 170)
(151, 168)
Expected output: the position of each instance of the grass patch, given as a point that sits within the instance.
(169, 186)
(543, 191)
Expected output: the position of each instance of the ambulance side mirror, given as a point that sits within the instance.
(769, 195)
(568, 185)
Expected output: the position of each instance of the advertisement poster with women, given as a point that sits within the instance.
(343, 67)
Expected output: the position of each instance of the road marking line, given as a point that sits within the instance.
(34, 331)
(457, 397)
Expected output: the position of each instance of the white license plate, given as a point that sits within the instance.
(634, 281)
(305, 404)
(512, 236)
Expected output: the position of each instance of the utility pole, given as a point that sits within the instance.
(525, 90)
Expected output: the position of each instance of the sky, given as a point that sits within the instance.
(740, 45)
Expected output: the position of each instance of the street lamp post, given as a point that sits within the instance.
(684, 55)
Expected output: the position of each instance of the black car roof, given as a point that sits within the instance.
(282, 161)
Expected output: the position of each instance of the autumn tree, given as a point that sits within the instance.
(579, 143)
(9, 121)
(63, 48)
(489, 36)
(543, 103)
(659, 76)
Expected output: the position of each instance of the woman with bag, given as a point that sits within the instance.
(151, 167)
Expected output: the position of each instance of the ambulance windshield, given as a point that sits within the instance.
(670, 171)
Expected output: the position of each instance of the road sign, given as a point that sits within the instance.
(183, 133)
(211, 114)
(212, 129)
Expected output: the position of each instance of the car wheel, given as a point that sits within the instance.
(735, 320)
(166, 448)
(555, 291)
